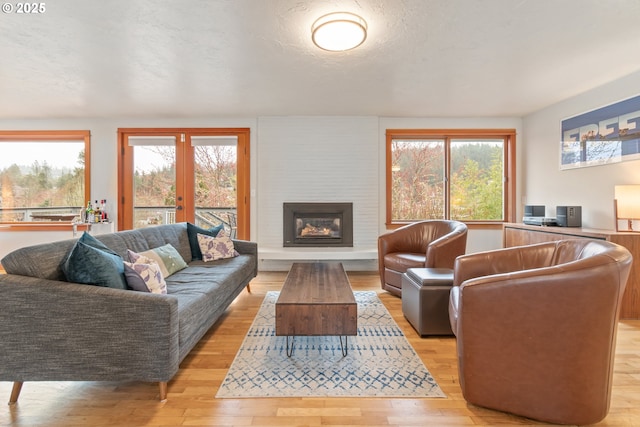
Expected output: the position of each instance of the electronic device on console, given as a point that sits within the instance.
(566, 216)
(540, 220)
(569, 216)
(534, 210)
(534, 215)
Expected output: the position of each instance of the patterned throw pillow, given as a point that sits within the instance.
(219, 247)
(145, 277)
(192, 233)
(166, 256)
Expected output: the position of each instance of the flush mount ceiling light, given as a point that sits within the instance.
(339, 31)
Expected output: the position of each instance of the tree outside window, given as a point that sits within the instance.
(417, 179)
(477, 184)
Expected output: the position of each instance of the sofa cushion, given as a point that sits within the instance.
(204, 291)
(90, 262)
(167, 257)
(145, 276)
(214, 248)
(193, 231)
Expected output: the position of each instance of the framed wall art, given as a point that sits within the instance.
(607, 135)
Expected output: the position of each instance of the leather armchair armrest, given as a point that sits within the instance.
(386, 244)
(443, 251)
(404, 239)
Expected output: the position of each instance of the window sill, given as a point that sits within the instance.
(472, 225)
(42, 226)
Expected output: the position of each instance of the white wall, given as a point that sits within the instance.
(317, 159)
(343, 159)
(591, 187)
(293, 159)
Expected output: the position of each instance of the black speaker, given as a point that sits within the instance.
(534, 210)
(569, 216)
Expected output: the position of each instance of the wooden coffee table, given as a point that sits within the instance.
(316, 299)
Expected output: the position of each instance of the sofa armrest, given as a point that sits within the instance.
(502, 261)
(59, 331)
(246, 247)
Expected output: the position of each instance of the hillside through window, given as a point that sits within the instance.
(43, 175)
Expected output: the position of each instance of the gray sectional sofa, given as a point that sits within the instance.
(53, 330)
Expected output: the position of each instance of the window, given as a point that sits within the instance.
(200, 175)
(466, 175)
(44, 175)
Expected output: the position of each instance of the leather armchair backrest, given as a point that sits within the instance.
(531, 257)
(415, 237)
(440, 241)
(501, 261)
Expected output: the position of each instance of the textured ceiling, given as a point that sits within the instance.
(434, 58)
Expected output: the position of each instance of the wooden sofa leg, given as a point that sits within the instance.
(15, 392)
(249, 288)
(163, 391)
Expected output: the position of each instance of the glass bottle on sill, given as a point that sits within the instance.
(96, 212)
(88, 213)
(103, 208)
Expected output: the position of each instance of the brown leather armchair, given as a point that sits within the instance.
(424, 244)
(536, 328)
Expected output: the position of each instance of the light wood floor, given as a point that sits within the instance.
(191, 399)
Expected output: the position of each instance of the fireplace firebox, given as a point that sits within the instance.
(318, 224)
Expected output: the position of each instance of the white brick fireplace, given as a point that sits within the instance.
(317, 160)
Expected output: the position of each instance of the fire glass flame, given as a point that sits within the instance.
(318, 224)
(318, 227)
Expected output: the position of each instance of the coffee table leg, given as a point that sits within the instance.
(290, 352)
(345, 347)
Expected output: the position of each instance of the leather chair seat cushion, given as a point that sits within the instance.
(399, 261)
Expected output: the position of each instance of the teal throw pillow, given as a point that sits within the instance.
(193, 231)
(88, 239)
(92, 266)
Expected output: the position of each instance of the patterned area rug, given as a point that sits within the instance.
(380, 360)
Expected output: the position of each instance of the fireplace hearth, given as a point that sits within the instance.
(318, 224)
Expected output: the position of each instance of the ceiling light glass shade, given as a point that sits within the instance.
(339, 31)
